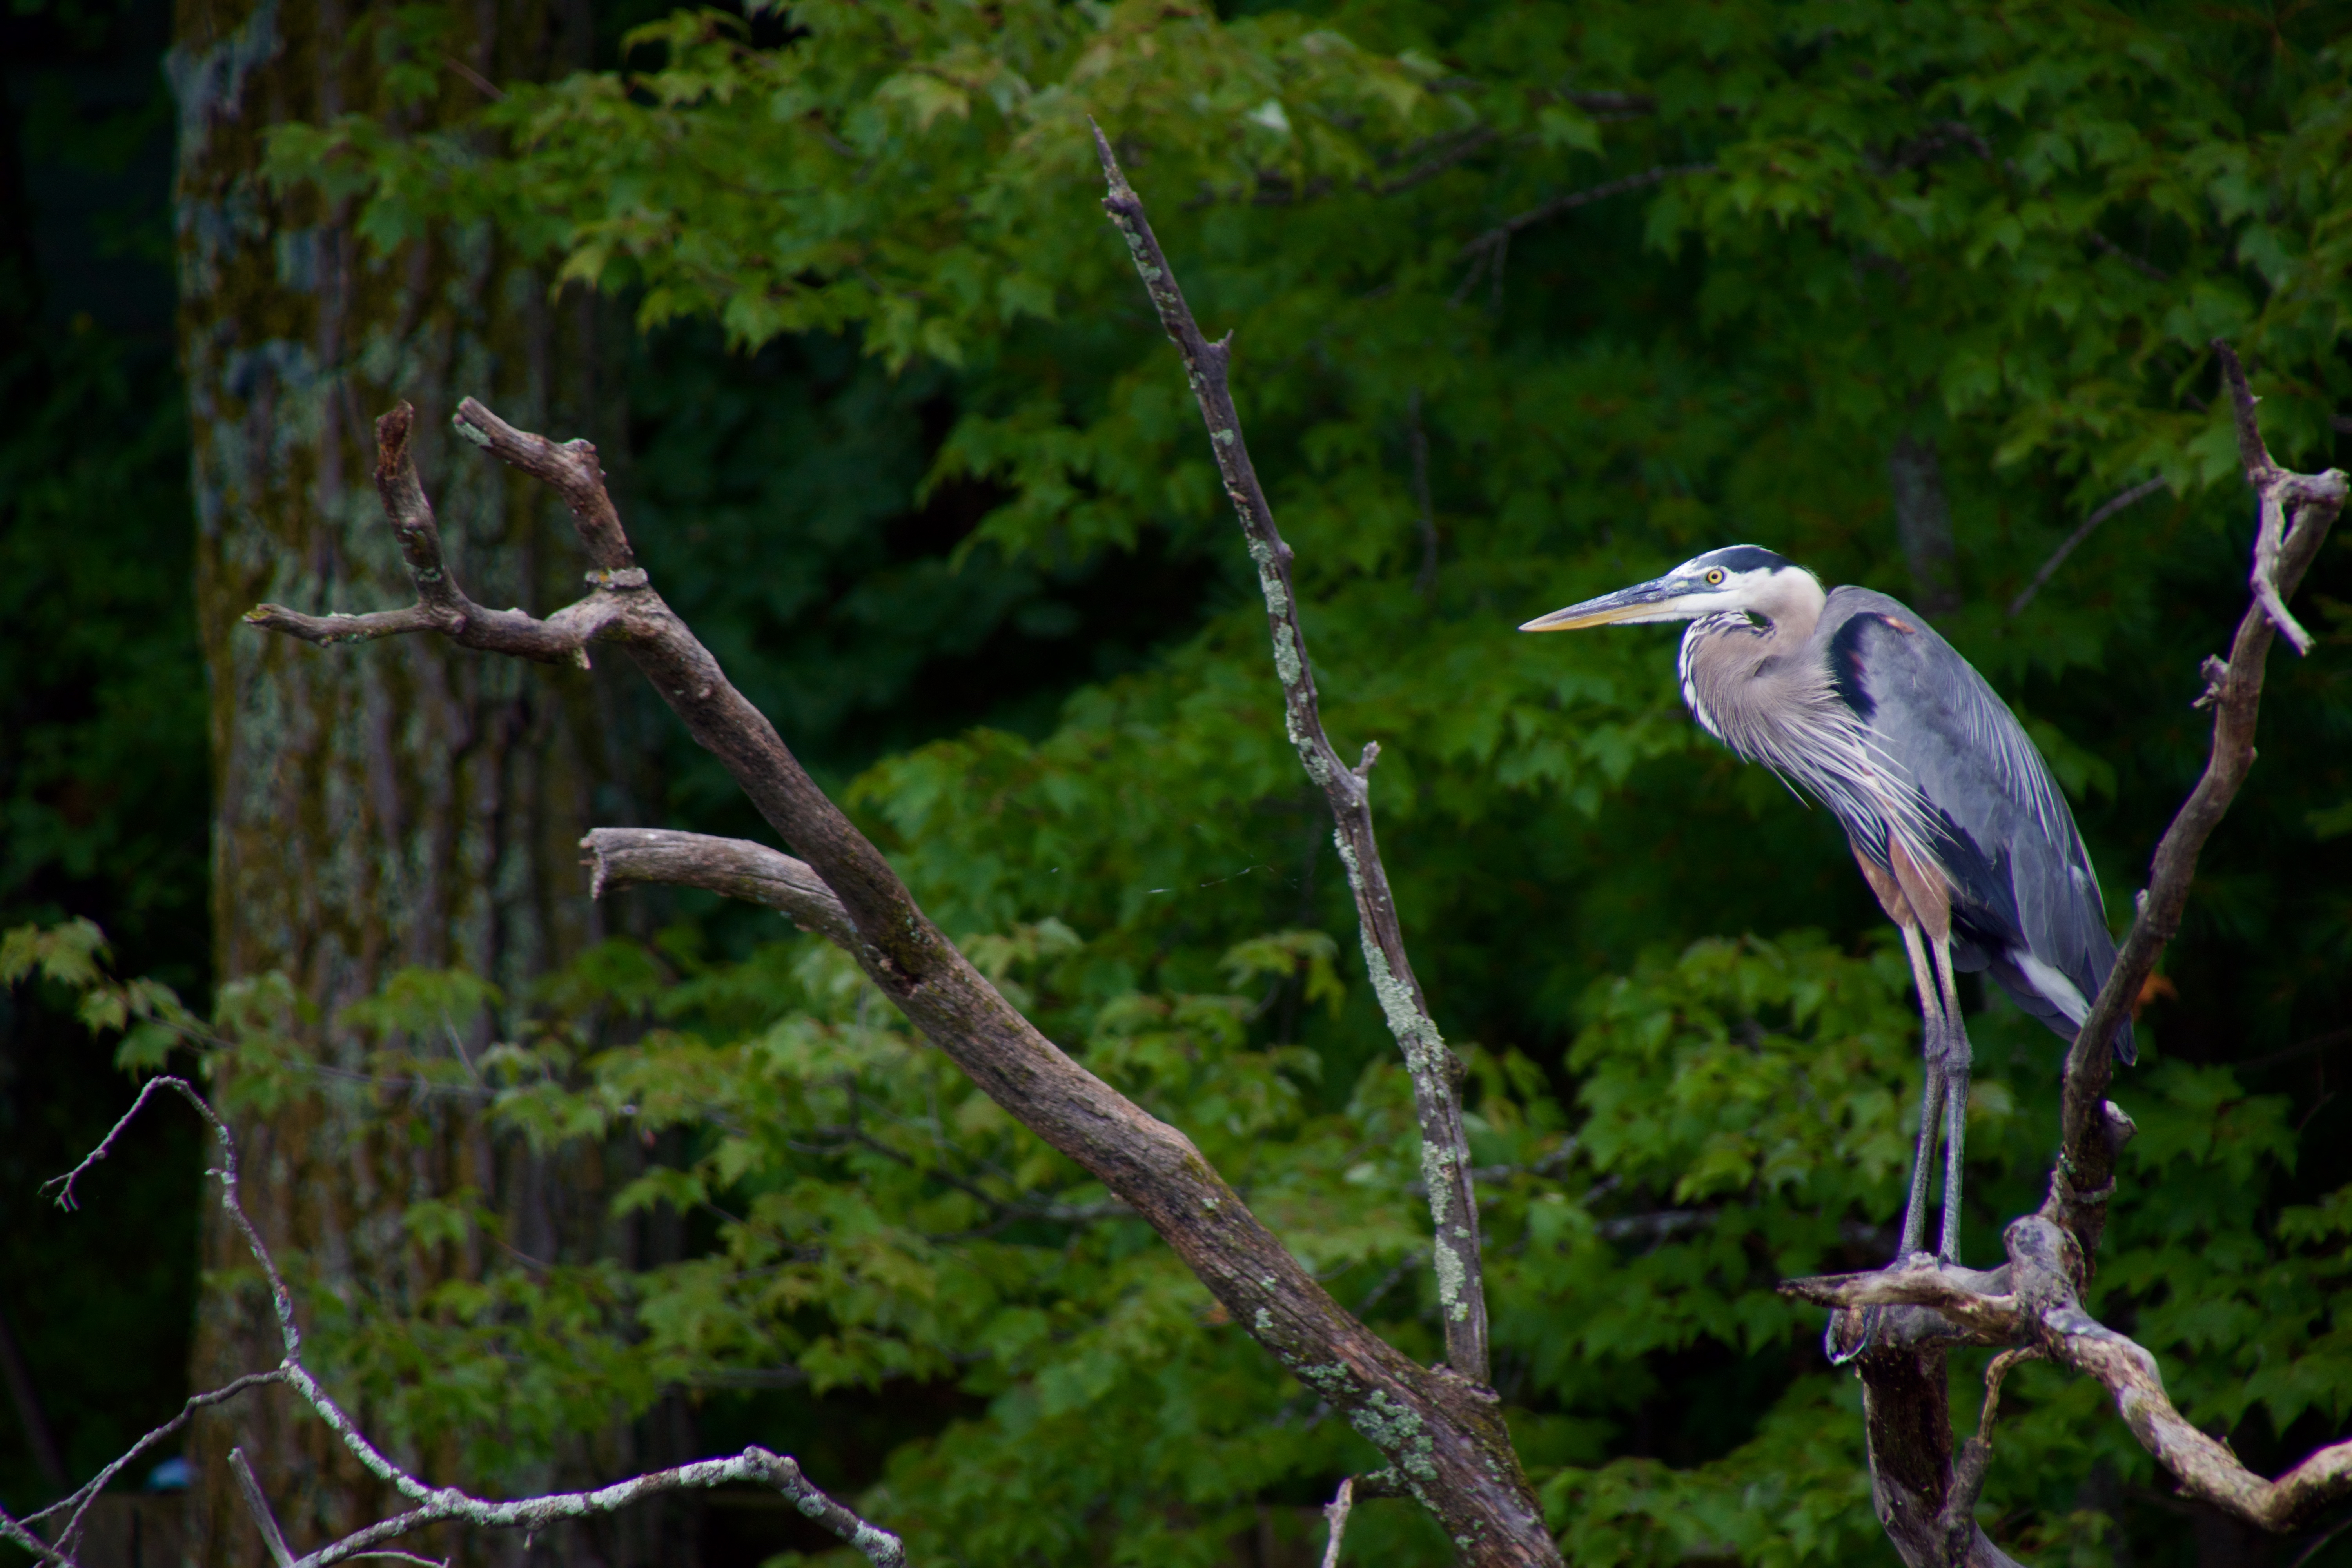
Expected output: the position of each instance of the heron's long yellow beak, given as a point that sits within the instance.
(1656, 601)
(1591, 612)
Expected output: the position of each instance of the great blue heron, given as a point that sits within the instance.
(1952, 814)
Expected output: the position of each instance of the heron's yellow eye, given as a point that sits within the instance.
(1713, 575)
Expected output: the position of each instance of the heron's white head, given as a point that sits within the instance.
(1735, 579)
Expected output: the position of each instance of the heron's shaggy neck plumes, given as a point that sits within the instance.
(1720, 649)
(1761, 688)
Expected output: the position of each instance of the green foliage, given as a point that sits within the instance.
(876, 1224)
(2007, 230)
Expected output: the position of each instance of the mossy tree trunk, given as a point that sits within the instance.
(401, 804)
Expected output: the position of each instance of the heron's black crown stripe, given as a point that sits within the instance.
(1742, 558)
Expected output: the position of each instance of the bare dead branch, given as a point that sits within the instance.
(1977, 1303)
(435, 1505)
(1441, 1432)
(2074, 540)
(2085, 1175)
(1907, 1415)
(753, 1465)
(1436, 163)
(1445, 1151)
(79, 1500)
(441, 604)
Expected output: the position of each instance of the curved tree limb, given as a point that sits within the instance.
(2138, 492)
(1444, 1437)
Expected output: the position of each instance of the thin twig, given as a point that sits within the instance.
(2140, 491)
(257, 1502)
(1500, 234)
(2144, 268)
(2002, 1365)
(1446, 1150)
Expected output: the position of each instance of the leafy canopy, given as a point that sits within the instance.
(2009, 231)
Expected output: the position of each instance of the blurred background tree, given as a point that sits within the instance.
(1531, 301)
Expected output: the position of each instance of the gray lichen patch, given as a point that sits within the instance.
(1398, 1432)
(1452, 1279)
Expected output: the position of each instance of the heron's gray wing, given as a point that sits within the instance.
(2024, 895)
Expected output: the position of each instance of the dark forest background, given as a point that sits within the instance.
(790, 500)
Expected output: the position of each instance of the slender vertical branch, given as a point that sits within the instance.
(1445, 1152)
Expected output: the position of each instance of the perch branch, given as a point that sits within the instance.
(2044, 1262)
(1924, 1499)
(2085, 1171)
(1445, 1151)
(1445, 1436)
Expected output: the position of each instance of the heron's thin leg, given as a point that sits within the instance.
(1932, 1051)
(1955, 1110)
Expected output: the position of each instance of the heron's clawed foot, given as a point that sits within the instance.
(1852, 1331)
(1848, 1334)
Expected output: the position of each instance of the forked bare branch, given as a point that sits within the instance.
(433, 1505)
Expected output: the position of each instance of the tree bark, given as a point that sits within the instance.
(1923, 521)
(411, 809)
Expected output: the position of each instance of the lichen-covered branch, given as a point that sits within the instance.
(1442, 1436)
(434, 1505)
(1445, 1152)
